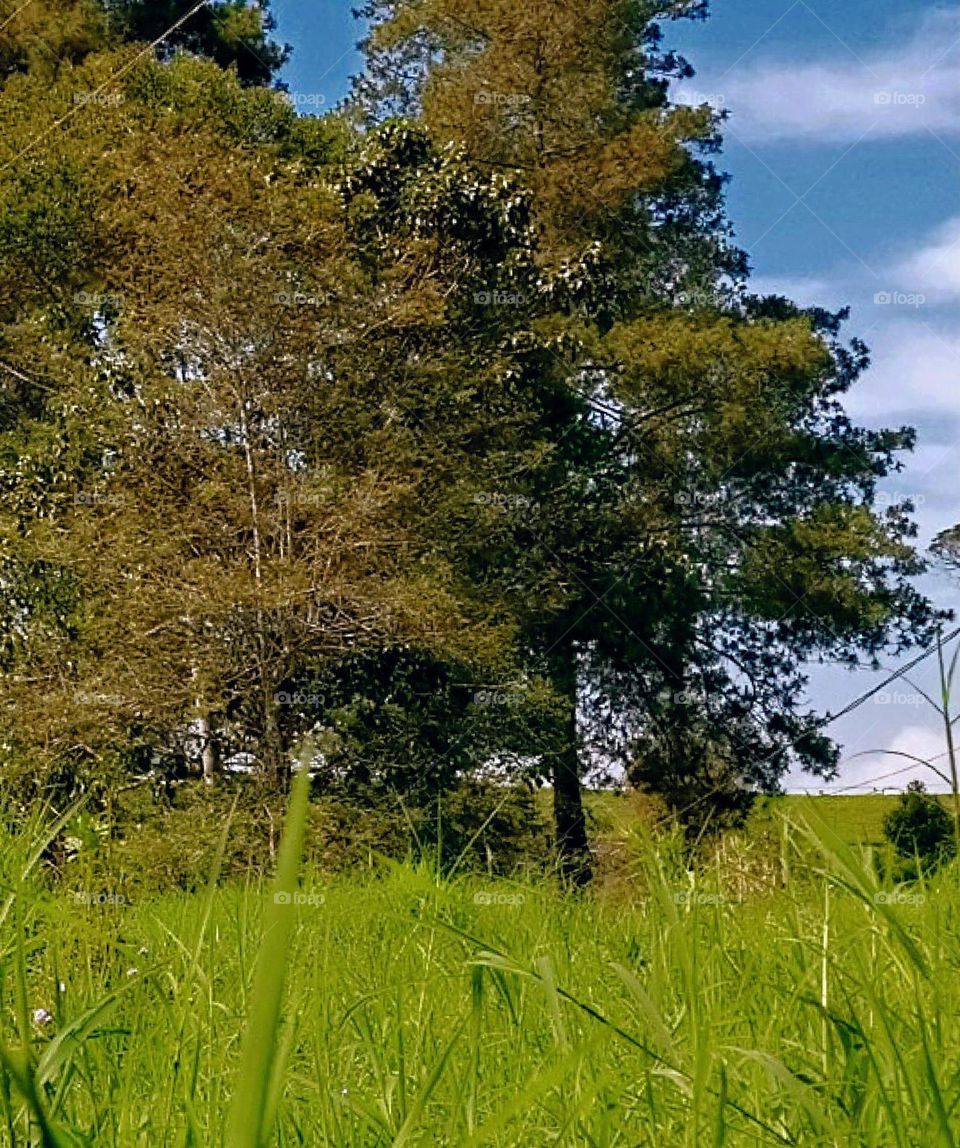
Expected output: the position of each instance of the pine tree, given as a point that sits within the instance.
(232, 33)
(56, 33)
(709, 519)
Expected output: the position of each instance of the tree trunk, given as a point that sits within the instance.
(209, 749)
(274, 757)
(570, 825)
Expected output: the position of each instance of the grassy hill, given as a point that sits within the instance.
(857, 818)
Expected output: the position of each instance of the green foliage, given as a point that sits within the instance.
(484, 827)
(44, 38)
(385, 420)
(704, 477)
(920, 828)
(232, 33)
(143, 843)
(420, 1010)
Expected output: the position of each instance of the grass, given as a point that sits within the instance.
(403, 1009)
(857, 818)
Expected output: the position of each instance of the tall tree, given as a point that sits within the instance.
(247, 393)
(709, 516)
(233, 33)
(45, 37)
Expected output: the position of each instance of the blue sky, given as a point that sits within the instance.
(843, 144)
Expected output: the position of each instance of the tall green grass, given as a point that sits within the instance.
(406, 1009)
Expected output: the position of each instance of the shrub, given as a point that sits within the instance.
(919, 828)
(486, 827)
(149, 845)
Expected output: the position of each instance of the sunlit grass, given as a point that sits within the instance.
(406, 1009)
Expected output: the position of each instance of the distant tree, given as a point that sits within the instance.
(48, 36)
(920, 827)
(155, 472)
(249, 412)
(55, 33)
(946, 547)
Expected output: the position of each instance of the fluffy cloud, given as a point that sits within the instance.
(935, 268)
(918, 741)
(916, 367)
(882, 94)
(909, 317)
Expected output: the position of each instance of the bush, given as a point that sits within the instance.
(148, 845)
(919, 828)
(486, 827)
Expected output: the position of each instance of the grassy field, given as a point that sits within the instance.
(406, 1009)
(857, 818)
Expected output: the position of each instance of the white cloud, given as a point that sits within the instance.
(808, 291)
(916, 367)
(935, 268)
(914, 344)
(880, 94)
(919, 741)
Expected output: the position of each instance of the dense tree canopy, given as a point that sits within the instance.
(233, 33)
(713, 525)
(457, 442)
(46, 37)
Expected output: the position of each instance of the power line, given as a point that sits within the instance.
(871, 780)
(106, 84)
(857, 702)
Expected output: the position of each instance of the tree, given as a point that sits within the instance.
(919, 827)
(156, 481)
(46, 37)
(946, 547)
(232, 33)
(233, 441)
(708, 517)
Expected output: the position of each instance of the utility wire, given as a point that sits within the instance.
(857, 702)
(106, 84)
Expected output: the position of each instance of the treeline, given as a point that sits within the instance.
(441, 433)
